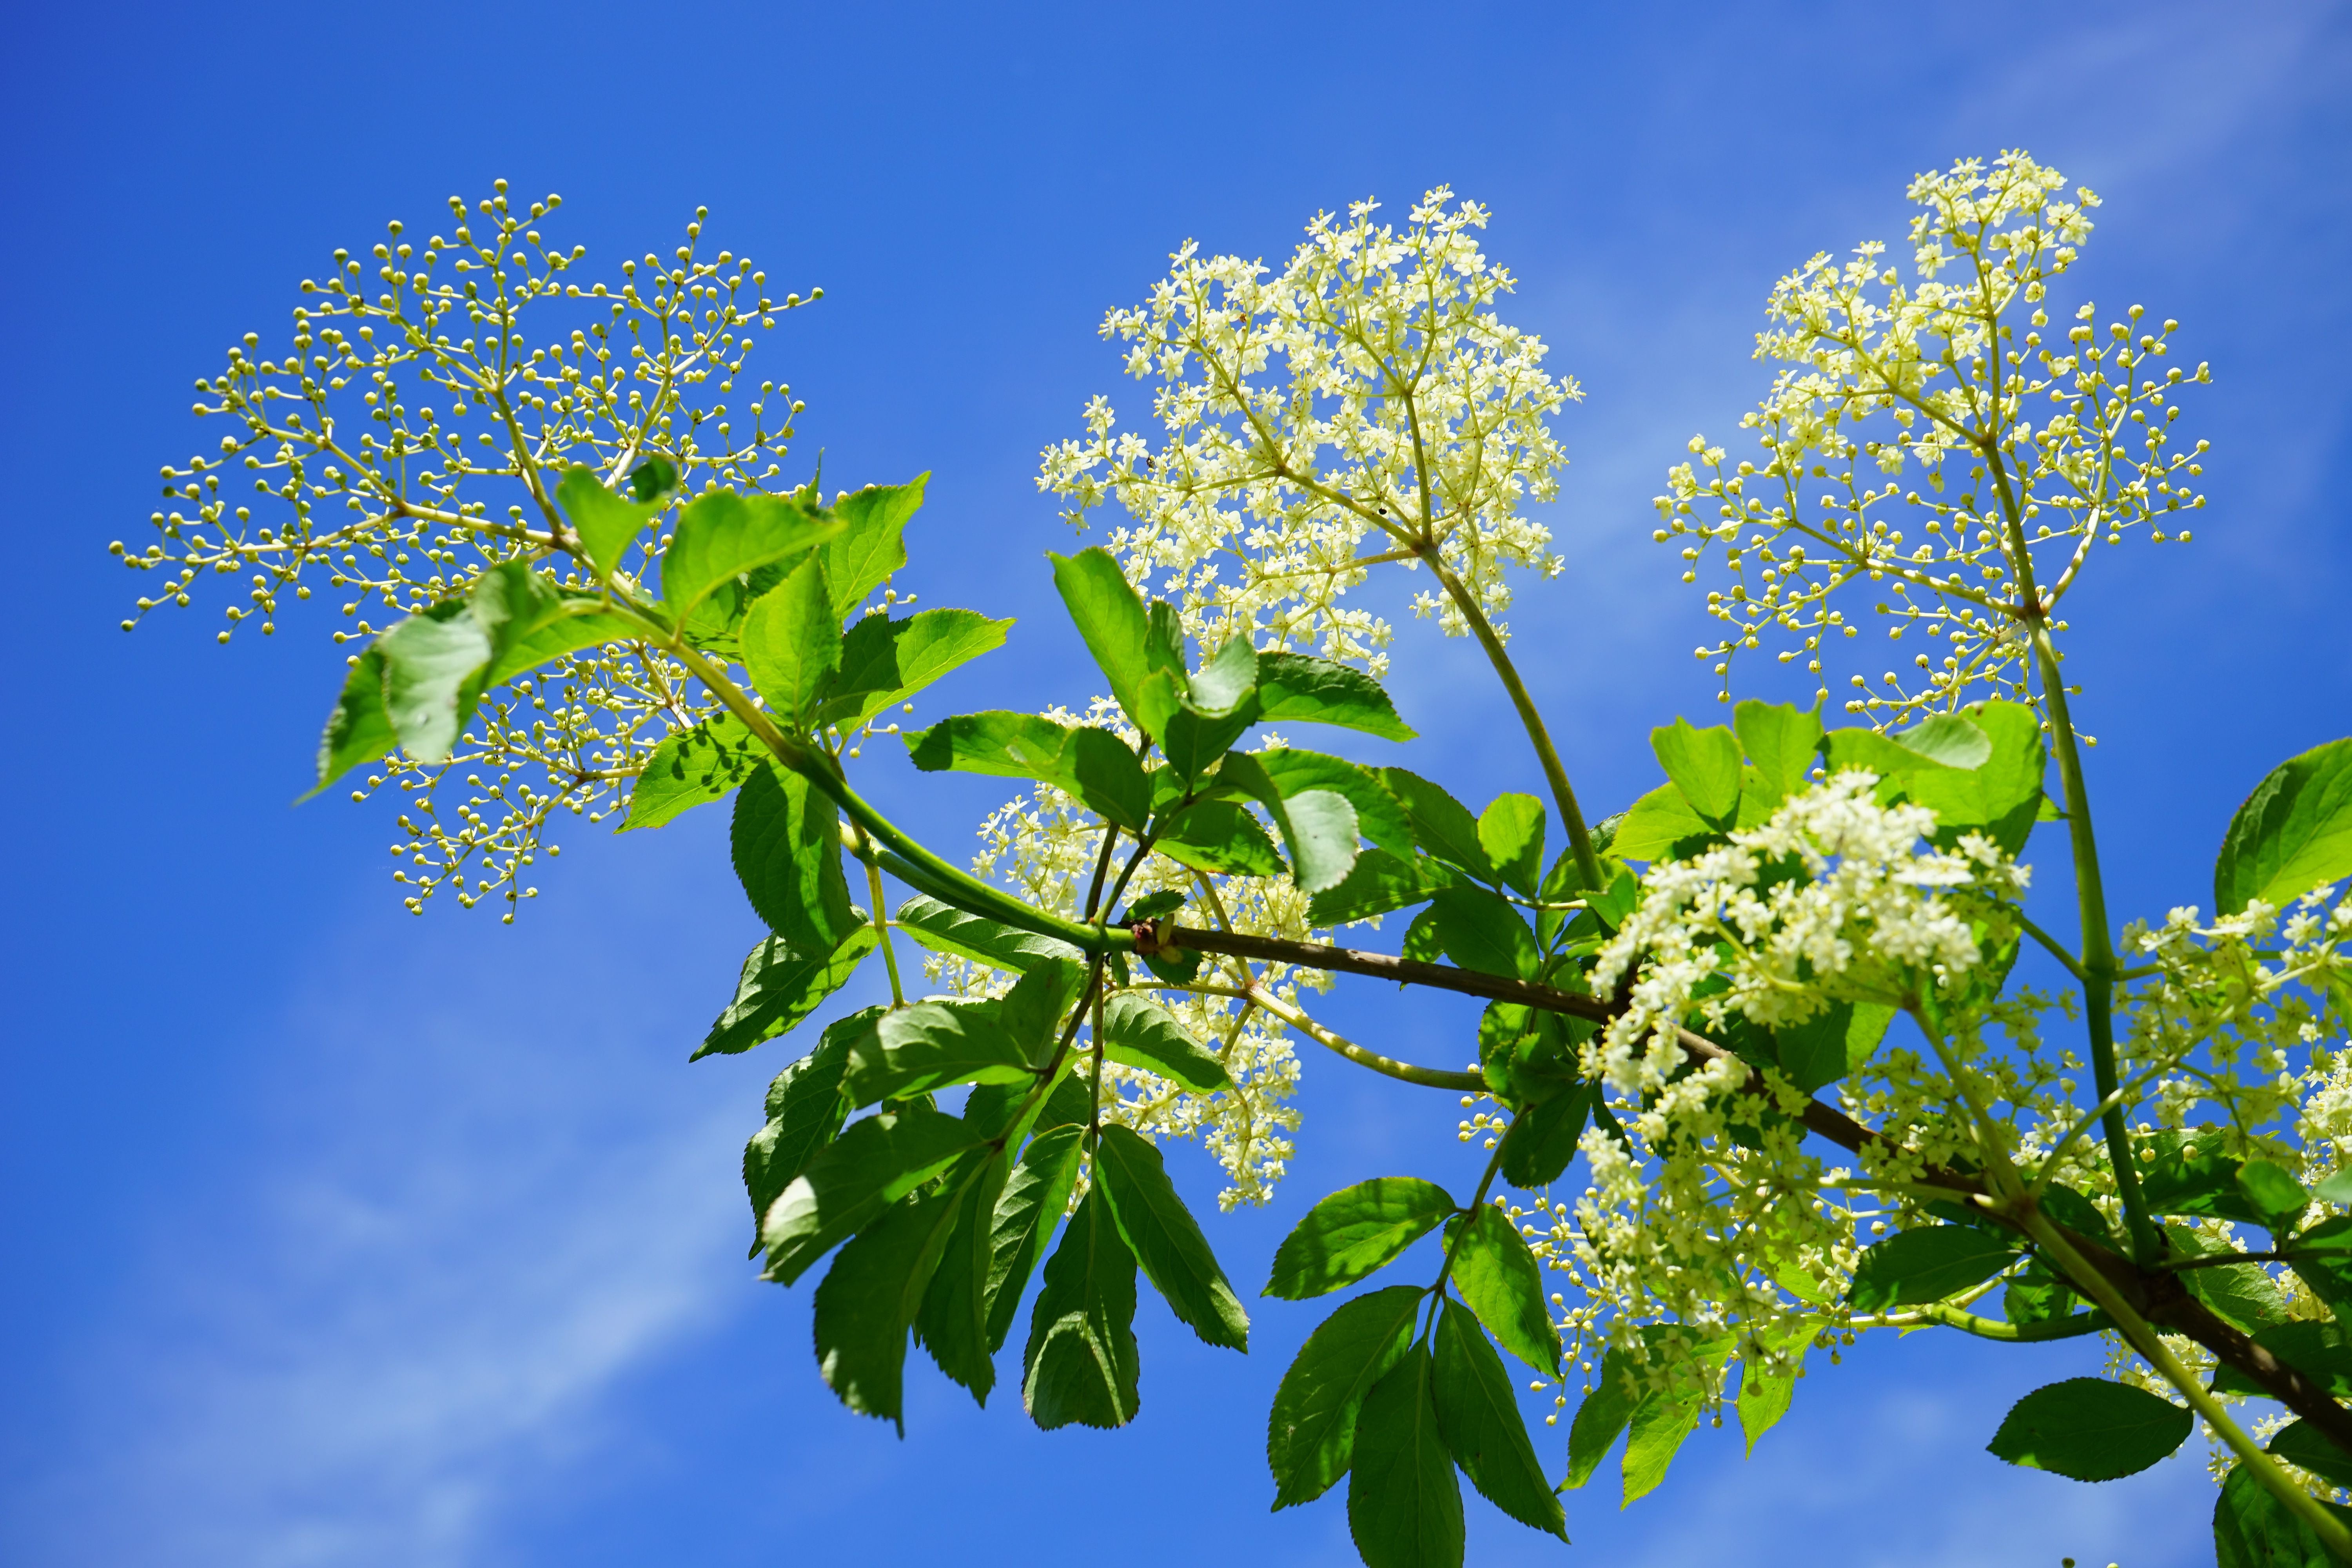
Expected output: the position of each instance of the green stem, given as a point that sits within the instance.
(1563, 794)
(2331, 1530)
(864, 850)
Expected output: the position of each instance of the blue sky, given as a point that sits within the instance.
(340, 1237)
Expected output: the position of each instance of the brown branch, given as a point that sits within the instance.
(2157, 1294)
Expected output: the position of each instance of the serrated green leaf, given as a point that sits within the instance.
(1541, 1141)
(1511, 832)
(2240, 1294)
(1380, 816)
(806, 1110)
(1441, 825)
(1661, 825)
(1478, 1416)
(1404, 1507)
(952, 1323)
(691, 768)
(792, 644)
(2292, 834)
(1091, 763)
(605, 523)
(1782, 742)
(2321, 1351)
(1166, 1240)
(359, 730)
(1420, 944)
(1110, 617)
(870, 546)
(1480, 932)
(1832, 1042)
(1948, 739)
(1293, 686)
(869, 1299)
(926, 1045)
(885, 661)
(1140, 1033)
(1660, 1424)
(2253, 1529)
(2301, 1443)
(1600, 1419)
(430, 667)
(785, 841)
(2090, 1429)
(1355, 1232)
(721, 535)
(1317, 826)
(1311, 1430)
(779, 986)
(1032, 1012)
(1378, 883)
(1704, 765)
(1764, 1396)
(943, 928)
(1913, 1268)
(1218, 835)
(1036, 1194)
(2273, 1193)
(2034, 1295)
(1081, 1363)
(871, 1165)
(1499, 1278)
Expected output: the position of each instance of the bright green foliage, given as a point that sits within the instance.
(1704, 765)
(1081, 1361)
(1497, 1275)
(870, 544)
(792, 644)
(1140, 1033)
(723, 536)
(605, 523)
(1913, 1266)
(1311, 1432)
(867, 1301)
(871, 1165)
(2292, 834)
(1478, 1415)
(1404, 1507)
(779, 986)
(2090, 1429)
(1354, 1233)
(944, 928)
(787, 854)
(1166, 1240)
(1295, 688)
(1023, 1221)
(931, 1045)
(694, 767)
(1511, 832)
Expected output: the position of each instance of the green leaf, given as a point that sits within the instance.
(2090, 1429)
(1034, 1196)
(2301, 1443)
(2253, 1529)
(2035, 1295)
(2318, 1351)
(943, 928)
(1704, 765)
(1948, 739)
(1140, 1033)
(691, 768)
(870, 546)
(430, 667)
(1420, 944)
(2275, 1193)
(1311, 1431)
(786, 844)
(1600, 1418)
(792, 644)
(1218, 835)
(954, 1322)
(1832, 1042)
(1081, 1363)
(655, 477)
(1511, 832)
(1165, 1238)
(1318, 691)
(1226, 686)
(1764, 1396)
(1500, 1279)
(1440, 824)
(1110, 616)
(1661, 825)
(721, 535)
(1404, 1507)
(1478, 1416)
(1102, 771)
(2240, 1294)
(1093, 764)
(1380, 816)
(869, 1298)
(605, 522)
(2336, 1189)
(1480, 932)
(1542, 1138)
(1193, 743)
(358, 729)
(2194, 1176)
(1661, 1422)
(885, 661)
(929, 1044)
(1355, 1232)
(2292, 835)
(779, 986)
(1913, 1268)
(1378, 883)
(1317, 826)
(1034, 1010)
(1782, 742)
(806, 1110)
(873, 1164)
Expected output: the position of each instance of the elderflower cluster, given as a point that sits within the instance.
(410, 436)
(1368, 388)
(1917, 400)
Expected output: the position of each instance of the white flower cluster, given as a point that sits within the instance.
(1868, 917)
(1367, 388)
(1937, 374)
